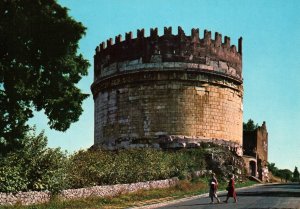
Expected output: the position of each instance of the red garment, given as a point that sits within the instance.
(231, 189)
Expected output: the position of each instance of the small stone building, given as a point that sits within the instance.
(255, 145)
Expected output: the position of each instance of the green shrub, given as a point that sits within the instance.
(89, 168)
(36, 167)
(33, 167)
(11, 177)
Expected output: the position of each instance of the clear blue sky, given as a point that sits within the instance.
(271, 58)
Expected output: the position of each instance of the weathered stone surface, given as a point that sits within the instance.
(170, 49)
(29, 198)
(224, 162)
(169, 85)
(173, 108)
(256, 152)
(24, 198)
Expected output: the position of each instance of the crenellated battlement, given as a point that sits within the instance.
(171, 48)
(168, 90)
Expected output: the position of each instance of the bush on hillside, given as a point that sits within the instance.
(36, 167)
(88, 168)
(33, 167)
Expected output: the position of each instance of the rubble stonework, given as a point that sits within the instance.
(149, 88)
(34, 197)
(24, 198)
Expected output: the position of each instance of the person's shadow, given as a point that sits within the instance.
(198, 204)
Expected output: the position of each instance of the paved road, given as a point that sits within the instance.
(271, 196)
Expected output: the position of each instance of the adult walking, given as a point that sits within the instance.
(213, 187)
(231, 190)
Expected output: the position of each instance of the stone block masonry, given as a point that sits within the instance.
(147, 89)
(173, 108)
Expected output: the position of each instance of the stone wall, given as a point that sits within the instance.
(28, 198)
(262, 144)
(154, 108)
(170, 48)
(256, 145)
(24, 198)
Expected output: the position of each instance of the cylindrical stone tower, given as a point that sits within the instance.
(168, 91)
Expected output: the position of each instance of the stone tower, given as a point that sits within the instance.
(168, 91)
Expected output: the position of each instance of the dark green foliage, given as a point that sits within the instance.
(272, 168)
(34, 167)
(284, 174)
(296, 175)
(250, 126)
(89, 168)
(39, 67)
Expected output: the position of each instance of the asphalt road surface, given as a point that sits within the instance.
(271, 196)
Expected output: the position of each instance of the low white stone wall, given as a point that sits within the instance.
(24, 198)
(28, 198)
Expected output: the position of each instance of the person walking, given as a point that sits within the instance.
(213, 186)
(231, 190)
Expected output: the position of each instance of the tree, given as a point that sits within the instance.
(285, 174)
(272, 168)
(296, 174)
(39, 66)
(249, 126)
